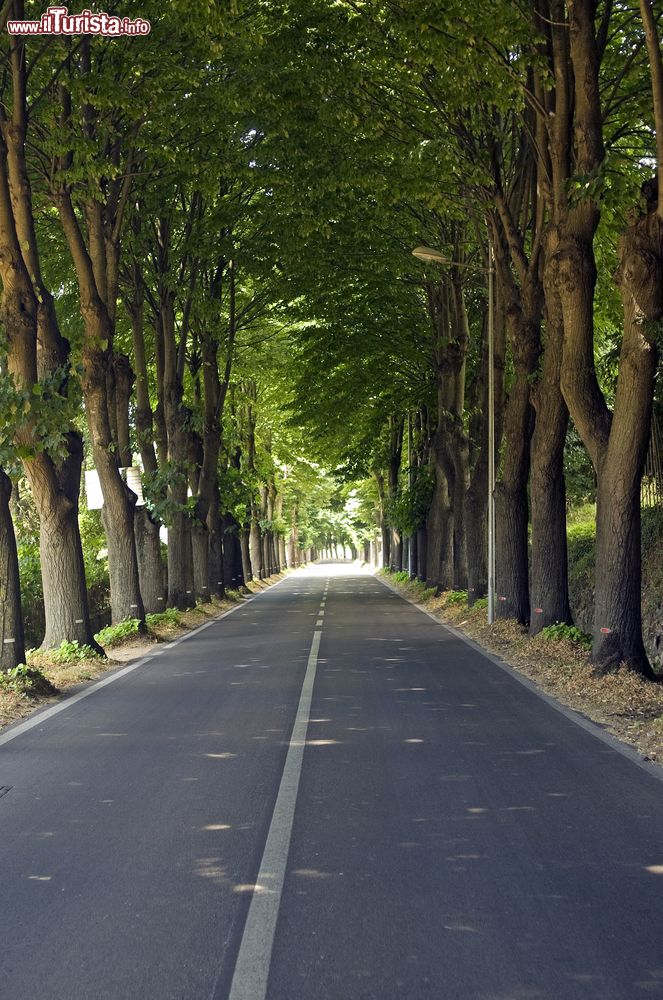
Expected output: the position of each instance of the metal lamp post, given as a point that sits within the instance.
(432, 256)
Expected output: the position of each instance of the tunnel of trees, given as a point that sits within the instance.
(208, 284)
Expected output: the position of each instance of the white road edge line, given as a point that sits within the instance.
(255, 951)
(68, 701)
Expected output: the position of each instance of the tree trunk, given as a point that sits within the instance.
(511, 507)
(266, 555)
(255, 546)
(461, 481)
(123, 380)
(200, 555)
(215, 528)
(150, 564)
(386, 544)
(476, 501)
(523, 310)
(617, 609)
(180, 549)
(118, 522)
(272, 513)
(246, 556)
(439, 527)
(180, 556)
(549, 587)
(283, 558)
(293, 555)
(12, 640)
(476, 518)
(422, 552)
(412, 555)
(396, 550)
(274, 555)
(61, 555)
(446, 306)
(232, 554)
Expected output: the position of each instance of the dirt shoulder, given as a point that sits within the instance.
(623, 704)
(19, 701)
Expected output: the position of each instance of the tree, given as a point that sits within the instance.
(12, 642)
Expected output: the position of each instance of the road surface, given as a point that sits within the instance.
(325, 796)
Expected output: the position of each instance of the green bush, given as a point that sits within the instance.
(113, 634)
(95, 555)
(71, 652)
(24, 679)
(402, 576)
(428, 592)
(481, 602)
(456, 597)
(559, 631)
(171, 616)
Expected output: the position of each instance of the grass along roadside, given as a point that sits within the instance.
(558, 662)
(48, 674)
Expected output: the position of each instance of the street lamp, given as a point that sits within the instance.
(431, 256)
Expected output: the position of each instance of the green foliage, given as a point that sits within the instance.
(554, 633)
(409, 509)
(456, 597)
(581, 535)
(95, 555)
(428, 592)
(481, 603)
(170, 617)
(401, 576)
(42, 413)
(114, 634)
(71, 652)
(156, 490)
(579, 475)
(29, 564)
(25, 680)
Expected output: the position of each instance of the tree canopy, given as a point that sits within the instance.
(205, 253)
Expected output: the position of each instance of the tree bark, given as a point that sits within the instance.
(439, 528)
(283, 558)
(151, 569)
(549, 587)
(293, 551)
(215, 529)
(255, 544)
(12, 639)
(208, 512)
(247, 570)
(618, 613)
(232, 554)
(511, 508)
(177, 416)
(422, 548)
(447, 558)
(523, 306)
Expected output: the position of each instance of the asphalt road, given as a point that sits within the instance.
(455, 837)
